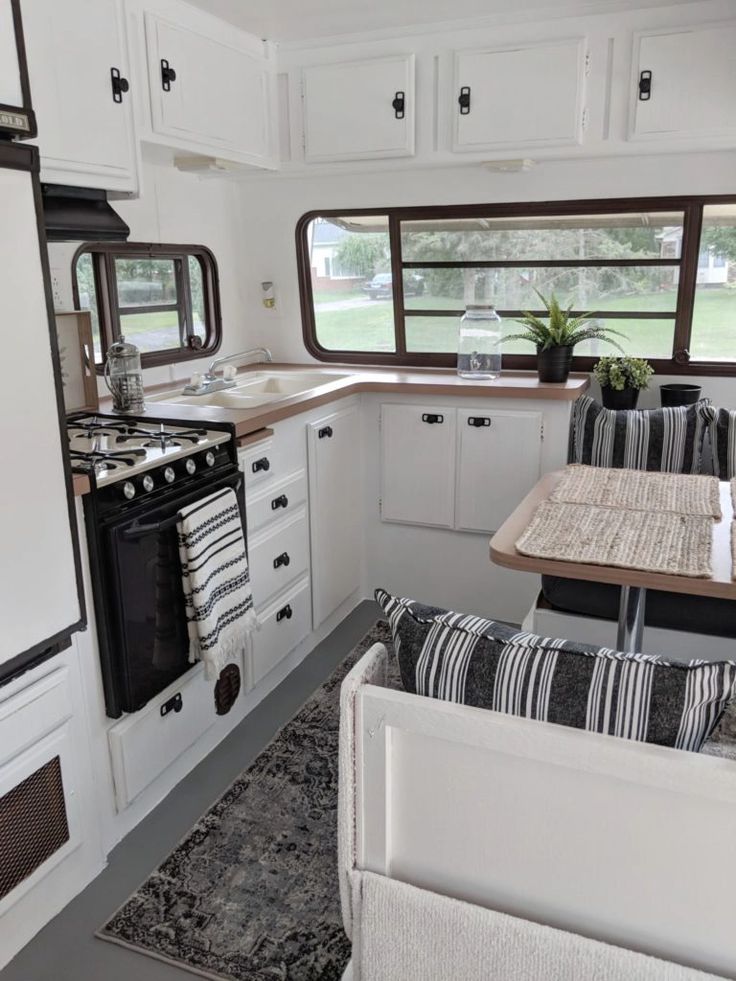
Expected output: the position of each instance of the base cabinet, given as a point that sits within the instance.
(283, 625)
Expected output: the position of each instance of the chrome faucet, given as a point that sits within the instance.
(209, 382)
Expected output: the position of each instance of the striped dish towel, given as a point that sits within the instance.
(215, 578)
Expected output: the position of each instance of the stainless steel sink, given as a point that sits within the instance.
(260, 388)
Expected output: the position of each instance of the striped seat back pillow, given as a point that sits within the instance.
(668, 439)
(473, 661)
(723, 443)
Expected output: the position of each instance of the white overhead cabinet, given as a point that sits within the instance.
(520, 96)
(82, 92)
(210, 90)
(684, 83)
(359, 110)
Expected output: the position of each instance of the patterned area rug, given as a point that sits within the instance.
(251, 893)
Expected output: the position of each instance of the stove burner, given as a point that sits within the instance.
(99, 460)
(161, 438)
(88, 430)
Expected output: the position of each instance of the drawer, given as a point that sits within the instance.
(284, 624)
(277, 457)
(279, 499)
(278, 557)
(257, 463)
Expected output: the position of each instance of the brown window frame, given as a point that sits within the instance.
(680, 362)
(109, 310)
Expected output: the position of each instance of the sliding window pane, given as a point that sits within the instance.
(156, 330)
(144, 282)
(714, 316)
(638, 235)
(196, 285)
(87, 290)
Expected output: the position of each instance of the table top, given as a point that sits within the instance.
(720, 585)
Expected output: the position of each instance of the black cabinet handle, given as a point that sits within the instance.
(479, 421)
(285, 613)
(399, 105)
(432, 418)
(168, 75)
(263, 464)
(326, 431)
(645, 86)
(279, 502)
(280, 560)
(464, 100)
(119, 85)
(174, 704)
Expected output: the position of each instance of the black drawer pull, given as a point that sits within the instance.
(645, 86)
(279, 502)
(464, 100)
(399, 105)
(479, 421)
(168, 75)
(263, 464)
(432, 418)
(280, 560)
(325, 431)
(284, 614)
(119, 85)
(174, 704)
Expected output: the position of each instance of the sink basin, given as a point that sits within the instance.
(260, 388)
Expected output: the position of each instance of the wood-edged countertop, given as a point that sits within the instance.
(415, 381)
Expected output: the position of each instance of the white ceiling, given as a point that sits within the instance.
(297, 20)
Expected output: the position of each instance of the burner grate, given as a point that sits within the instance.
(162, 437)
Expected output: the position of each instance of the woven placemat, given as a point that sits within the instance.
(639, 490)
(675, 544)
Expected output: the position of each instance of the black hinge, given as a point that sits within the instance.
(479, 421)
(464, 100)
(119, 85)
(399, 105)
(645, 86)
(432, 418)
(168, 75)
(325, 431)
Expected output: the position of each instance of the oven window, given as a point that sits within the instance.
(163, 298)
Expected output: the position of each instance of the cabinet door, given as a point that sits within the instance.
(499, 462)
(519, 97)
(418, 464)
(85, 136)
(219, 97)
(349, 111)
(692, 76)
(335, 511)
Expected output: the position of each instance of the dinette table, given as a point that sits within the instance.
(634, 583)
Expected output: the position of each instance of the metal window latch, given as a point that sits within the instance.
(263, 464)
(432, 418)
(168, 75)
(119, 85)
(174, 704)
(279, 502)
(326, 431)
(399, 105)
(280, 560)
(464, 100)
(284, 614)
(479, 421)
(645, 86)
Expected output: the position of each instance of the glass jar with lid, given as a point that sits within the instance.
(479, 342)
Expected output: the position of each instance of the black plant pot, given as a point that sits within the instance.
(679, 394)
(625, 399)
(553, 365)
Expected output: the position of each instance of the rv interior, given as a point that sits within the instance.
(368, 525)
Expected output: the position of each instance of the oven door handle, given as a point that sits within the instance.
(138, 531)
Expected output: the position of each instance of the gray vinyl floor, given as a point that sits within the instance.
(66, 949)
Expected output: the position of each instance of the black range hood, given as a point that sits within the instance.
(80, 214)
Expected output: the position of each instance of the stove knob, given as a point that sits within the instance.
(169, 475)
(209, 458)
(190, 466)
(147, 482)
(129, 490)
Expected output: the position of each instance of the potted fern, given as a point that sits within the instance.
(621, 380)
(556, 339)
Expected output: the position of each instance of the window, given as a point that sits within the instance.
(662, 271)
(163, 298)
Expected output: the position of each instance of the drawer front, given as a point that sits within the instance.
(258, 463)
(275, 458)
(280, 499)
(283, 625)
(278, 558)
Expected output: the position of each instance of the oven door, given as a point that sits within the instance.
(149, 646)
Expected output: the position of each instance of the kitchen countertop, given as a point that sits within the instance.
(414, 381)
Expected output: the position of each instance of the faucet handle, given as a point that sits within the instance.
(229, 371)
(196, 380)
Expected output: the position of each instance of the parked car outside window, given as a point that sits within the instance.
(381, 286)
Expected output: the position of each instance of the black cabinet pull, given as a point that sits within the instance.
(432, 418)
(285, 613)
(174, 704)
(464, 100)
(478, 421)
(645, 86)
(168, 75)
(263, 464)
(325, 431)
(119, 85)
(280, 560)
(279, 502)
(399, 105)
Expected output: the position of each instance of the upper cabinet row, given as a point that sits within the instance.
(105, 73)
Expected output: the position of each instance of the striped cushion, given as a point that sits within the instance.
(723, 443)
(668, 439)
(479, 662)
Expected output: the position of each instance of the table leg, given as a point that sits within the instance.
(631, 619)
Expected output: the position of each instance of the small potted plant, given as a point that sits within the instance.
(556, 339)
(621, 380)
